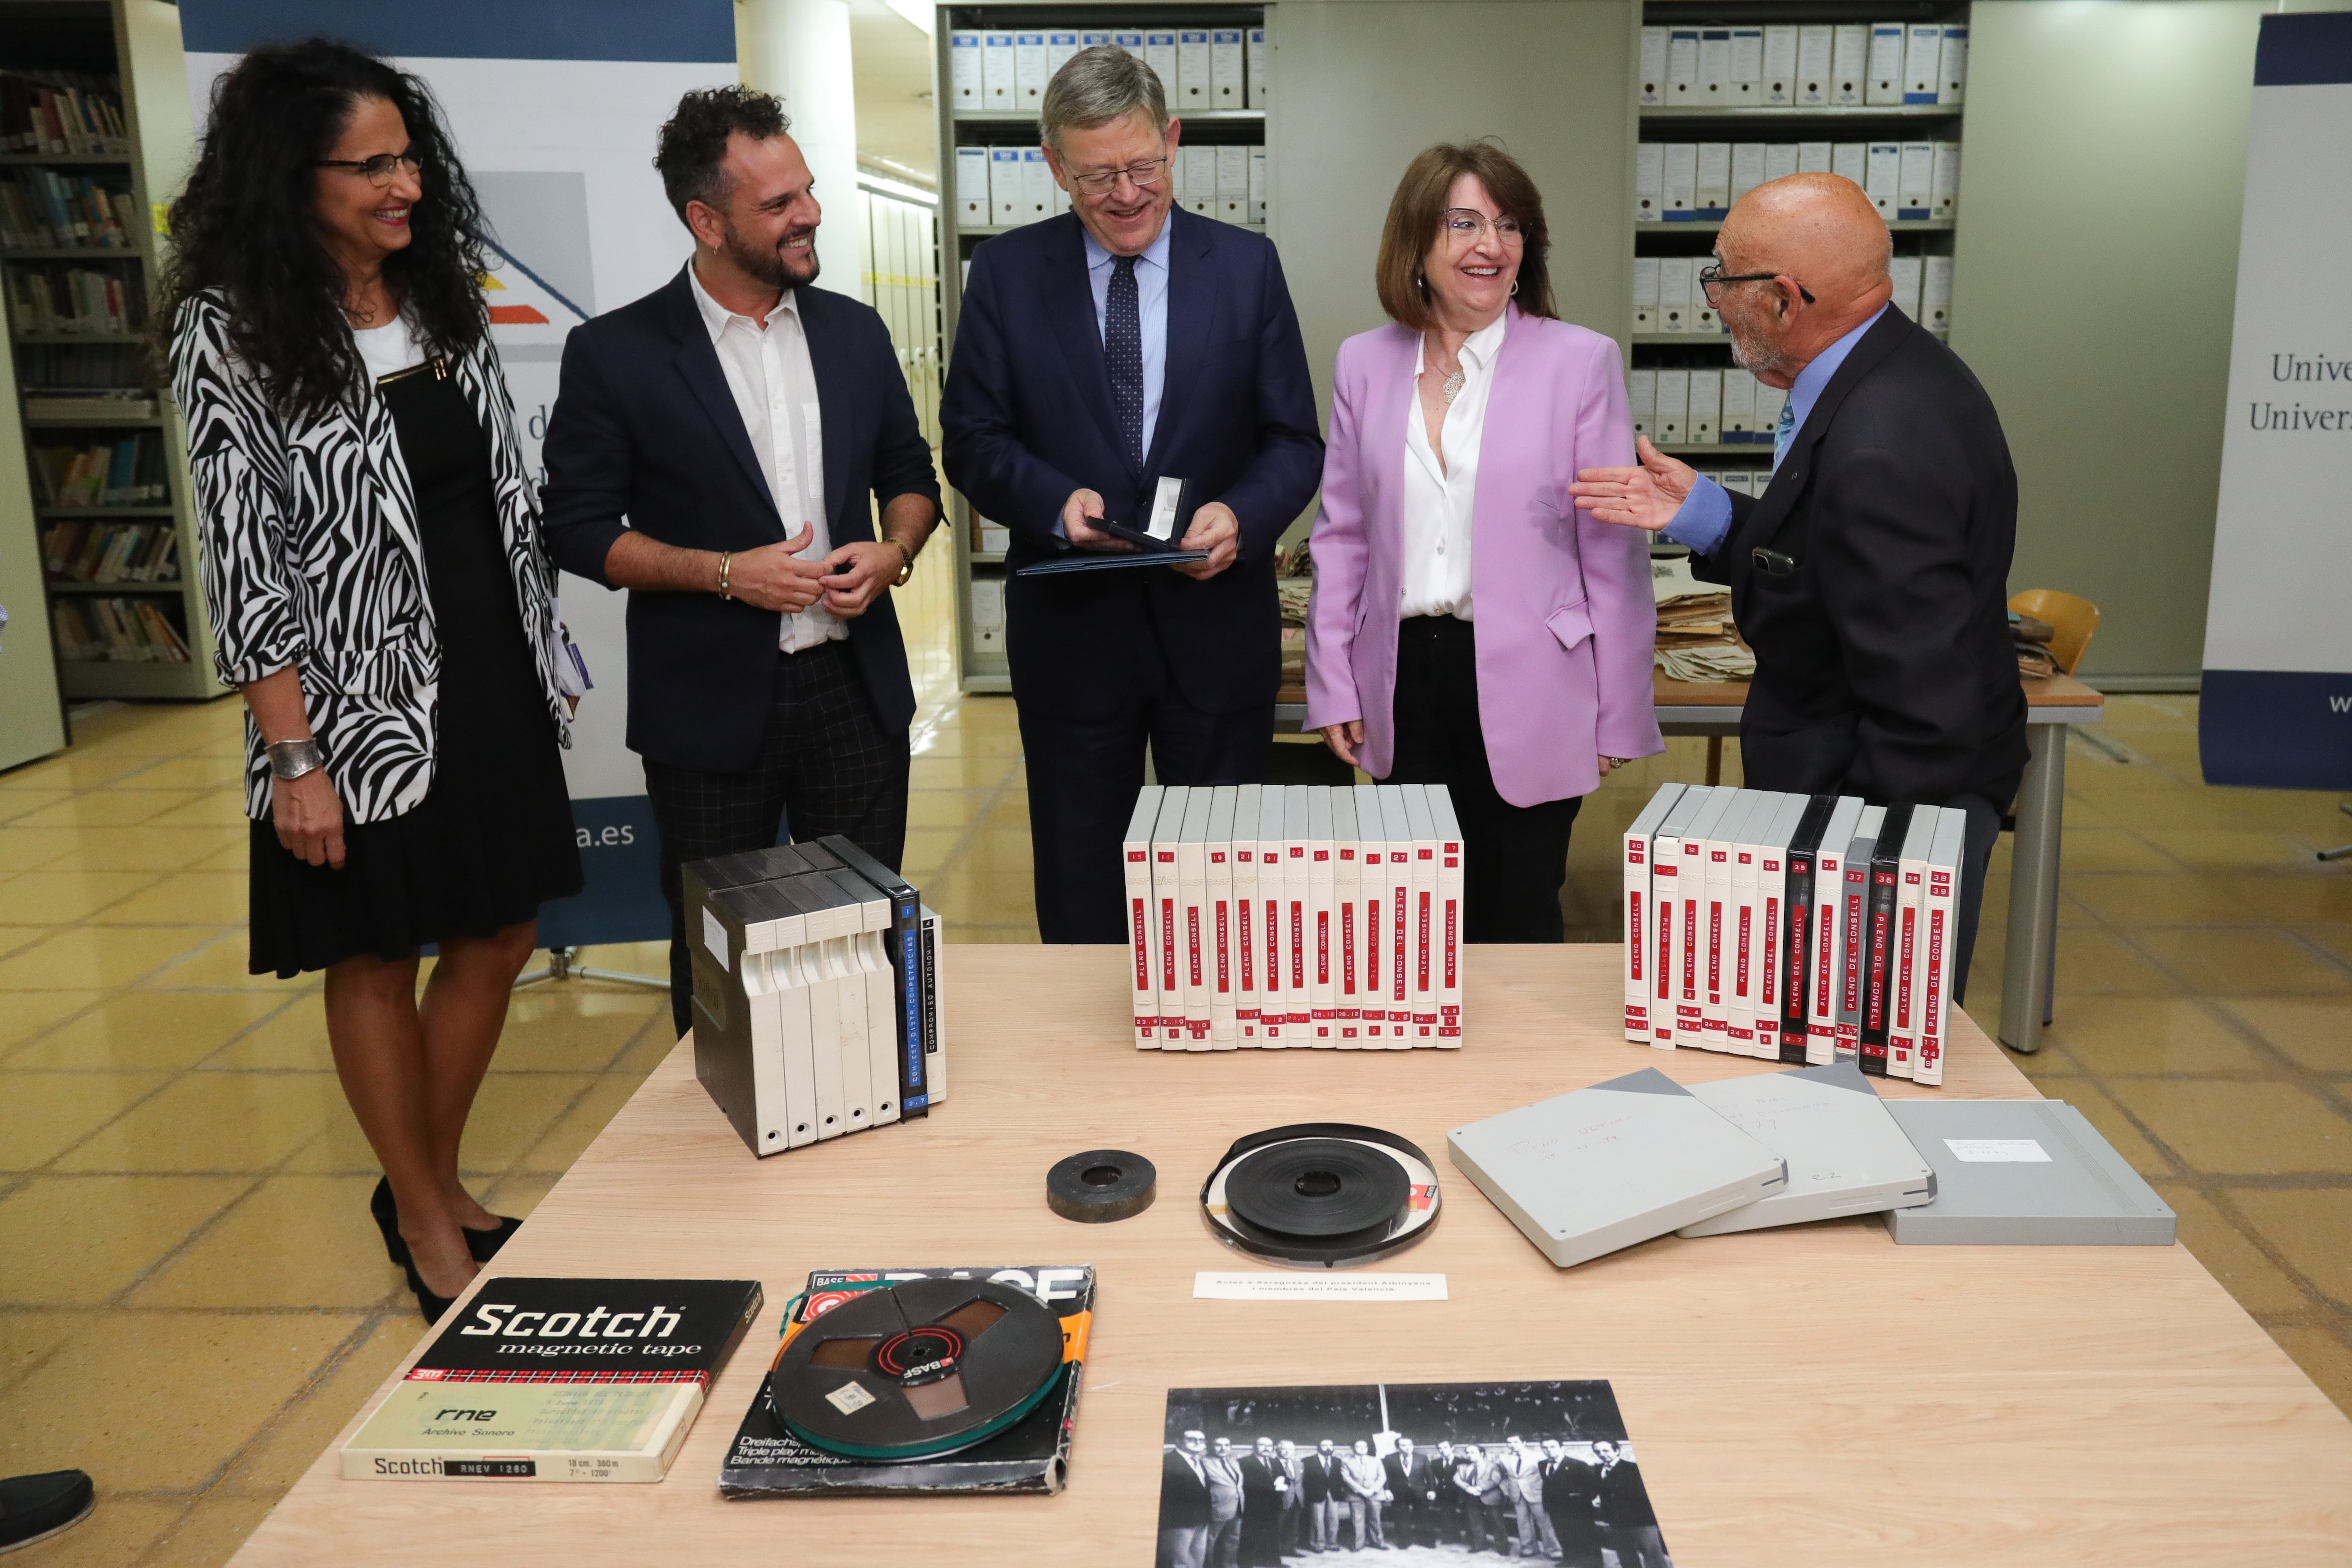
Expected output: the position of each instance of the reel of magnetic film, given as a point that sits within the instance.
(1321, 1194)
(918, 1369)
(1100, 1185)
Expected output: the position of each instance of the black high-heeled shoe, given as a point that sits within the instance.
(387, 1220)
(429, 1304)
(482, 1245)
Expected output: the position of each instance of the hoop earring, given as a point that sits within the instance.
(1515, 286)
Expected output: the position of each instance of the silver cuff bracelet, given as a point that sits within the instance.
(292, 759)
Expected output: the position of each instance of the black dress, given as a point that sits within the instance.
(493, 838)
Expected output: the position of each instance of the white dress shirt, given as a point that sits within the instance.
(1438, 497)
(768, 370)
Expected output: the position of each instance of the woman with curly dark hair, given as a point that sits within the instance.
(372, 562)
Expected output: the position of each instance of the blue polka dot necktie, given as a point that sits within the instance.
(1784, 432)
(1123, 350)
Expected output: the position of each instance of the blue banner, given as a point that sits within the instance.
(681, 33)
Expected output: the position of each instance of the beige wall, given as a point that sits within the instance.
(2094, 284)
(1361, 85)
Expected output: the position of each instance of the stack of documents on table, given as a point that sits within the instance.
(1279, 916)
(1697, 640)
(815, 993)
(1846, 1155)
(1800, 929)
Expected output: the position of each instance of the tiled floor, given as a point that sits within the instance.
(191, 1300)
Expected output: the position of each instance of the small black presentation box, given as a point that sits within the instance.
(1172, 514)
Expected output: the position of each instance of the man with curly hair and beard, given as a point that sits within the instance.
(712, 449)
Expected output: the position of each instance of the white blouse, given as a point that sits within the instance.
(1437, 498)
(392, 347)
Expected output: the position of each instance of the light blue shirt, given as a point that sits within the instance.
(1704, 518)
(1151, 309)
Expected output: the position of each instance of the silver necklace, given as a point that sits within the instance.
(1452, 388)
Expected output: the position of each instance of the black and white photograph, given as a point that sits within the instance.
(1419, 1472)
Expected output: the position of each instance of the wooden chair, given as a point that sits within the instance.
(2075, 619)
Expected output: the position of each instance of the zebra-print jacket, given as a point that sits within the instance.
(310, 557)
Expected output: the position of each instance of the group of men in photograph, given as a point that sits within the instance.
(1253, 1506)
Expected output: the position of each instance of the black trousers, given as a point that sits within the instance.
(1514, 856)
(825, 765)
(1084, 774)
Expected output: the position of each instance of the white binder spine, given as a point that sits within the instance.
(1746, 940)
(972, 210)
(1246, 994)
(1936, 294)
(1946, 862)
(1398, 936)
(1642, 395)
(1639, 912)
(1649, 181)
(1322, 1002)
(1884, 83)
(1815, 56)
(1194, 90)
(1273, 988)
(1915, 184)
(1923, 66)
(1779, 89)
(1453, 955)
(1372, 901)
(1260, 85)
(1000, 87)
(1646, 300)
(1714, 67)
(1195, 957)
(1653, 88)
(1718, 917)
(1166, 895)
(1952, 82)
(1160, 51)
(1828, 930)
(1029, 72)
(1347, 923)
(1943, 181)
(1745, 86)
(1135, 852)
(1005, 187)
(1850, 63)
(966, 78)
(1681, 181)
(1228, 81)
(1682, 67)
(1910, 938)
(1219, 919)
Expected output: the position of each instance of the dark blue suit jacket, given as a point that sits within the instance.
(1026, 419)
(645, 427)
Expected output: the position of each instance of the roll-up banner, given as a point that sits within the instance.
(554, 105)
(2277, 705)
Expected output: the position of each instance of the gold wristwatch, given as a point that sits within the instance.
(907, 557)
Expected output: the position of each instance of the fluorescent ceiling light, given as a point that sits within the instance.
(915, 11)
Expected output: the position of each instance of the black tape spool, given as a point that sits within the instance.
(1311, 1193)
(1101, 1185)
(976, 1357)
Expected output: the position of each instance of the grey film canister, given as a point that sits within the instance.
(1101, 1185)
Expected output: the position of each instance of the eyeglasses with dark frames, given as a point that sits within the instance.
(378, 170)
(1711, 278)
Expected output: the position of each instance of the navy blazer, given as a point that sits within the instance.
(1027, 418)
(644, 428)
(1883, 660)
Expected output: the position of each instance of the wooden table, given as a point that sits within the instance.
(1816, 1396)
(2028, 959)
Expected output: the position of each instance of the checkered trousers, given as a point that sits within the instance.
(825, 765)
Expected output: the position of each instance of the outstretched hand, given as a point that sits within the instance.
(1644, 496)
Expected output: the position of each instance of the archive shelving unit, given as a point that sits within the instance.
(89, 37)
(980, 661)
(1670, 122)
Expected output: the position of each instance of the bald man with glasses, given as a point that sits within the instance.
(1872, 575)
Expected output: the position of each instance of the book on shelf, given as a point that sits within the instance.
(74, 300)
(115, 631)
(61, 112)
(124, 472)
(61, 210)
(558, 1380)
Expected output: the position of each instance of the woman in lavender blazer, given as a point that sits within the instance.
(1470, 627)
